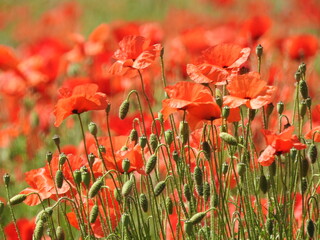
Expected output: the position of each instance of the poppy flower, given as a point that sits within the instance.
(314, 134)
(248, 89)
(192, 97)
(278, 144)
(135, 53)
(26, 228)
(216, 63)
(81, 99)
(301, 46)
(256, 26)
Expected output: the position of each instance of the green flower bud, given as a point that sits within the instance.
(134, 136)
(59, 179)
(310, 228)
(17, 199)
(184, 132)
(241, 169)
(93, 129)
(228, 138)
(280, 107)
(304, 167)
(158, 189)
(143, 202)
(151, 163)
(126, 165)
(60, 233)
(187, 192)
(126, 188)
(169, 205)
(94, 213)
(263, 183)
(198, 175)
(303, 87)
(153, 140)
(62, 158)
(38, 231)
(143, 141)
(197, 218)
(168, 135)
(304, 185)
(96, 186)
(124, 108)
(206, 149)
(313, 153)
(206, 191)
(49, 157)
(259, 51)
(303, 108)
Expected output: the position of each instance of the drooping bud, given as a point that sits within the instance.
(153, 140)
(304, 167)
(206, 191)
(134, 136)
(96, 186)
(168, 135)
(143, 202)
(94, 213)
(124, 108)
(169, 205)
(304, 185)
(143, 141)
(313, 153)
(62, 158)
(127, 187)
(151, 163)
(187, 192)
(59, 178)
(38, 231)
(303, 108)
(158, 189)
(17, 199)
(228, 138)
(198, 175)
(93, 129)
(197, 218)
(184, 132)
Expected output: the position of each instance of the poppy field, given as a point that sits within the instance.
(195, 119)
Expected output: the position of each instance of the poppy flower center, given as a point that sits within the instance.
(74, 111)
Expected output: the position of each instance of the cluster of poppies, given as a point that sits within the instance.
(158, 132)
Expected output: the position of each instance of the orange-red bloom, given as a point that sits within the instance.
(301, 46)
(81, 99)
(278, 144)
(248, 89)
(216, 63)
(135, 53)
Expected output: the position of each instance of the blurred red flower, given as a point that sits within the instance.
(135, 53)
(278, 144)
(81, 99)
(301, 47)
(216, 63)
(25, 226)
(248, 89)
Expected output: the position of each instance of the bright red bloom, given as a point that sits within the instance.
(278, 144)
(301, 46)
(216, 63)
(81, 99)
(314, 133)
(192, 97)
(256, 26)
(248, 89)
(25, 226)
(135, 53)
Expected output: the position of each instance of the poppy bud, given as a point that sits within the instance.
(199, 189)
(225, 168)
(143, 141)
(94, 213)
(96, 186)
(60, 233)
(225, 111)
(17, 199)
(59, 178)
(219, 101)
(125, 219)
(206, 149)
(269, 226)
(184, 132)
(241, 169)
(302, 68)
(188, 228)
(228, 138)
(293, 153)
(126, 188)
(168, 135)
(151, 164)
(197, 218)
(313, 153)
(158, 189)
(187, 192)
(297, 76)
(175, 156)
(38, 231)
(259, 51)
(273, 169)
(124, 148)
(6, 179)
(126, 165)
(197, 175)
(269, 109)
(108, 108)
(143, 202)
(91, 158)
(206, 191)
(252, 114)
(49, 157)
(310, 228)
(124, 108)
(62, 158)
(77, 176)
(85, 178)
(280, 107)
(263, 183)
(44, 214)
(169, 205)
(93, 129)
(56, 140)
(102, 149)
(304, 185)
(309, 102)
(304, 167)
(303, 87)
(1, 207)
(134, 136)
(153, 140)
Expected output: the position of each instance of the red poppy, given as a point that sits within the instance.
(192, 97)
(81, 99)
(278, 144)
(301, 46)
(314, 134)
(25, 226)
(216, 63)
(135, 53)
(248, 89)
(256, 26)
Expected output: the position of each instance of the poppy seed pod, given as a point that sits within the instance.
(293, 153)
(102, 149)
(85, 178)
(77, 176)
(297, 76)
(302, 68)
(60, 233)
(219, 101)
(313, 153)
(91, 158)
(151, 164)
(124, 108)
(158, 189)
(93, 129)
(6, 179)
(59, 179)
(280, 107)
(126, 165)
(56, 140)
(143, 202)
(303, 87)
(269, 109)
(96, 186)
(225, 112)
(49, 157)
(62, 158)
(175, 156)
(143, 141)
(228, 138)
(259, 51)
(184, 132)
(17, 199)
(303, 108)
(94, 213)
